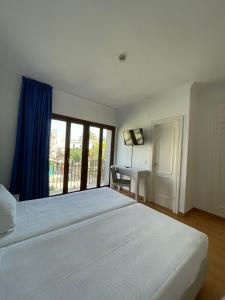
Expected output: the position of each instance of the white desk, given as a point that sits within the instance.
(135, 173)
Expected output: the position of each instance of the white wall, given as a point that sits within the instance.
(168, 104)
(204, 99)
(192, 141)
(77, 107)
(9, 104)
(63, 103)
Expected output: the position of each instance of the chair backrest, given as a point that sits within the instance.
(113, 171)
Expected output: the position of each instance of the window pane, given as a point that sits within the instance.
(106, 154)
(56, 157)
(93, 157)
(76, 142)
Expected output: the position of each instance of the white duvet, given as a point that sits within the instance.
(132, 253)
(35, 217)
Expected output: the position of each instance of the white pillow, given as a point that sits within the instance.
(7, 210)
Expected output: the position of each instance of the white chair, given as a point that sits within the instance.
(119, 182)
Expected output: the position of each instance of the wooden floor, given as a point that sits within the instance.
(214, 228)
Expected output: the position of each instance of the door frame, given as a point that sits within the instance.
(180, 120)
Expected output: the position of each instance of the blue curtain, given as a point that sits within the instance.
(31, 159)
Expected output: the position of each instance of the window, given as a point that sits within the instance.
(93, 156)
(106, 149)
(57, 156)
(80, 155)
(75, 157)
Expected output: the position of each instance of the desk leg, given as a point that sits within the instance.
(137, 188)
(145, 189)
(119, 187)
(111, 181)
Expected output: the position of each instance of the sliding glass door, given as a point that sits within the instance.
(57, 157)
(93, 156)
(75, 157)
(106, 150)
(80, 155)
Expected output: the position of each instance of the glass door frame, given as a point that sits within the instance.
(85, 150)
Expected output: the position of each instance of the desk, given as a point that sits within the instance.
(135, 173)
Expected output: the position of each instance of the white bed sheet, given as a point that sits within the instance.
(36, 217)
(132, 253)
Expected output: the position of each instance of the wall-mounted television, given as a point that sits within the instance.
(133, 137)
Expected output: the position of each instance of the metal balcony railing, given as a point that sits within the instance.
(56, 175)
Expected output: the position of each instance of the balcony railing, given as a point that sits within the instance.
(56, 175)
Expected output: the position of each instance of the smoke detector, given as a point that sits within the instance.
(122, 57)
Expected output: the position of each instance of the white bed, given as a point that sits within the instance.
(129, 253)
(36, 217)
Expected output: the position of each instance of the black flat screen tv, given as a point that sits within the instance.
(133, 137)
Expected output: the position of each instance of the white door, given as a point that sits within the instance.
(218, 163)
(165, 165)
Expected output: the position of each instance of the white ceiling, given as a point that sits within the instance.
(74, 44)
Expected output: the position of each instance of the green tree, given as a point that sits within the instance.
(104, 148)
(93, 146)
(75, 155)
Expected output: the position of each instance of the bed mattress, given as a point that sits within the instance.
(35, 217)
(130, 253)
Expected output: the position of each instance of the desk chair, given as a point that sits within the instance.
(119, 182)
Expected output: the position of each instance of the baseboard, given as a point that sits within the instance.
(141, 198)
(208, 213)
(181, 214)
